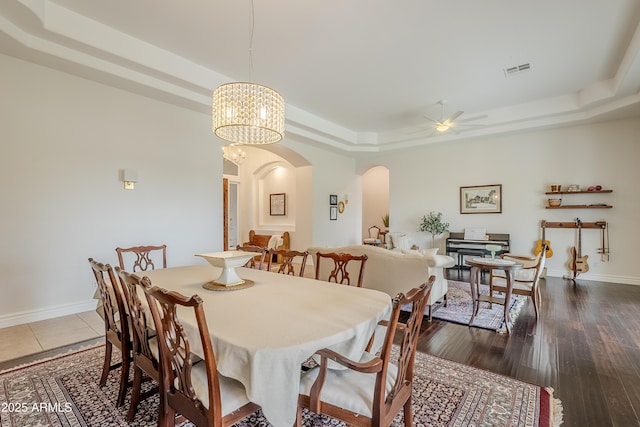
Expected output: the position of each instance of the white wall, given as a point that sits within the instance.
(526, 165)
(333, 174)
(64, 140)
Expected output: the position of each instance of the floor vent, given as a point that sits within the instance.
(517, 69)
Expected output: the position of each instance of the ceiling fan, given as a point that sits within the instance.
(443, 124)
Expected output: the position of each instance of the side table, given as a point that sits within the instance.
(479, 264)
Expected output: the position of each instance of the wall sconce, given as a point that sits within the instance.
(129, 178)
(346, 199)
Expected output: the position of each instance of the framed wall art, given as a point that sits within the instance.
(277, 205)
(333, 213)
(481, 199)
(333, 199)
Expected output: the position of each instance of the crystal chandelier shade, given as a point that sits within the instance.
(248, 113)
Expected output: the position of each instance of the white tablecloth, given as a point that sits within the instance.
(262, 334)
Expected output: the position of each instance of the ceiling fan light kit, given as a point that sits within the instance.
(443, 125)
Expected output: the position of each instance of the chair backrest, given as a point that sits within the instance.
(417, 299)
(285, 258)
(374, 232)
(144, 257)
(257, 262)
(137, 313)
(532, 266)
(176, 360)
(113, 304)
(340, 273)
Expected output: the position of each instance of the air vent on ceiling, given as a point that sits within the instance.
(517, 69)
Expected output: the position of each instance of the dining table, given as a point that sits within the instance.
(262, 334)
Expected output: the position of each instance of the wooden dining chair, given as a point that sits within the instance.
(258, 261)
(144, 255)
(340, 271)
(145, 353)
(115, 326)
(286, 258)
(372, 390)
(196, 391)
(525, 281)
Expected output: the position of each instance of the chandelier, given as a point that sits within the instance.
(233, 154)
(248, 113)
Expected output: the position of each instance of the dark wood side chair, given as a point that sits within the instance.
(193, 390)
(115, 326)
(286, 258)
(372, 390)
(143, 256)
(145, 353)
(339, 273)
(258, 261)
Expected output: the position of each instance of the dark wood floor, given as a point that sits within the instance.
(586, 345)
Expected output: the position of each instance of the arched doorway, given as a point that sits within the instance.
(375, 198)
(268, 170)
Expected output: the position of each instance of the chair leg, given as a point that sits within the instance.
(445, 300)
(108, 349)
(408, 415)
(135, 393)
(430, 313)
(535, 303)
(167, 418)
(124, 376)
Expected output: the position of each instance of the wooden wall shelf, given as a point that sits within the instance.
(579, 192)
(580, 207)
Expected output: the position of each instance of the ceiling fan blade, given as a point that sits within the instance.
(431, 120)
(455, 116)
(471, 119)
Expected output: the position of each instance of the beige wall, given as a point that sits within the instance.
(607, 153)
(64, 140)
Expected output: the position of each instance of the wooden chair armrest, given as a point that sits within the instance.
(399, 327)
(371, 366)
(518, 257)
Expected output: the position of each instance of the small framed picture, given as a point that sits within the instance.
(277, 205)
(333, 199)
(333, 213)
(481, 199)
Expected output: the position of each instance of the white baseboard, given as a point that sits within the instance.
(624, 280)
(23, 317)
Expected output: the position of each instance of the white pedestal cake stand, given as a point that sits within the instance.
(228, 261)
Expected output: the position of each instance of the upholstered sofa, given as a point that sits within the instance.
(392, 272)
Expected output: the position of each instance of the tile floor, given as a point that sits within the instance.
(30, 338)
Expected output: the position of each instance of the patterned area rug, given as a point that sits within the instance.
(64, 391)
(459, 308)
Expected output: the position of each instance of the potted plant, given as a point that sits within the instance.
(385, 222)
(434, 224)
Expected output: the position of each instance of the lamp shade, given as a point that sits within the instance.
(248, 113)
